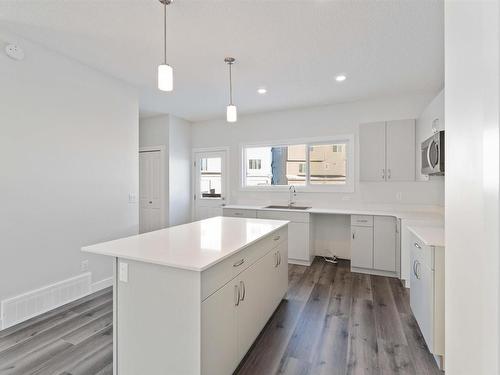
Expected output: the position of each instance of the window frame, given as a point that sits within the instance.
(349, 186)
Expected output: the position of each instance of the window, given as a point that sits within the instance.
(277, 165)
(315, 165)
(327, 164)
(254, 164)
(211, 176)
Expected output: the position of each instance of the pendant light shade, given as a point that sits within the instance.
(231, 113)
(231, 110)
(165, 71)
(165, 77)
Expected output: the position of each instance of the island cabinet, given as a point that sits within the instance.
(192, 299)
(234, 315)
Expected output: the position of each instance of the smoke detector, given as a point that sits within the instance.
(14, 51)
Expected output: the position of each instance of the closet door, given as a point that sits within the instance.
(372, 152)
(401, 150)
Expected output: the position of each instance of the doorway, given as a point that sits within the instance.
(210, 183)
(151, 211)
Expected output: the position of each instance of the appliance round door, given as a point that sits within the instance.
(433, 154)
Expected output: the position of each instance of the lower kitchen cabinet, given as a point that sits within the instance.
(427, 294)
(218, 323)
(361, 245)
(233, 316)
(374, 247)
(299, 234)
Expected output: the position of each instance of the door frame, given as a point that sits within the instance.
(226, 150)
(162, 149)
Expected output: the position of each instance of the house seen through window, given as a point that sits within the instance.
(298, 164)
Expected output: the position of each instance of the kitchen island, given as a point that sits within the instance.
(191, 299)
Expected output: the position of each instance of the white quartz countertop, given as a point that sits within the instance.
(430, 236)
(401, 213)
(195, 246)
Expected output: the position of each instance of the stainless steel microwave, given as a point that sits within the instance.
(433, 155)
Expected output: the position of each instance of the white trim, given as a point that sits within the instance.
(349, 187)
(101, 284)
(194, 151)
(163, 163)
(299, 262)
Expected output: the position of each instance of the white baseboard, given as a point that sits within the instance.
(101, 284)
(27, 305)
(299, 262)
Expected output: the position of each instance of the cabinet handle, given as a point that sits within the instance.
(417, 245)
(352, 235)
(279, 258)
(383, 174)
(242, 285)
(362, 221)
(276, 238)
(238, 214)
(275, 259)
(417, 270)
(389, 174)
(236, 295)
(239, 263)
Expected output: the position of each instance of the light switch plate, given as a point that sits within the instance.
(123, 272)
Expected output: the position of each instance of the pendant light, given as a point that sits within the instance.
(165, 71)
(231, 111)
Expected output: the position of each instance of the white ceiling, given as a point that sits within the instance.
(293, 48)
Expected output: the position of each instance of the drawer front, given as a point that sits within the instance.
(362, 220)
(233, 212)
(296, 217)
(215, 277)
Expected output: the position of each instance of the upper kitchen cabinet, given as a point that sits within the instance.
(387, 151)
(372, 152)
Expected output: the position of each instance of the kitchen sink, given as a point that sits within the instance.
(288, 207)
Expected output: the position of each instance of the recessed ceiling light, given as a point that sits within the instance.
(340, 78)
(262, 90)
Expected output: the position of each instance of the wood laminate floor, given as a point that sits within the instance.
(333, 322)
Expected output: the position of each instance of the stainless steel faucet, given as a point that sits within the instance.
(291, 193)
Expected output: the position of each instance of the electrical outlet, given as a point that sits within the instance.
(84, 266)
(399, 196)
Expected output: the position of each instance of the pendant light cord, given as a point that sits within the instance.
(165, 33)
(230, 85)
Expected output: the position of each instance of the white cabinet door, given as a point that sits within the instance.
(372, 152)
(362, 247)
(384, 243)
(219, 331)
(298, 240)
(251, 309)
(422, 297)
(401, 150)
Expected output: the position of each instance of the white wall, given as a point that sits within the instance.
(435, 110)
(175, 134)
(180, 171)
(314, 122)
(472, 187)
(68, 160)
